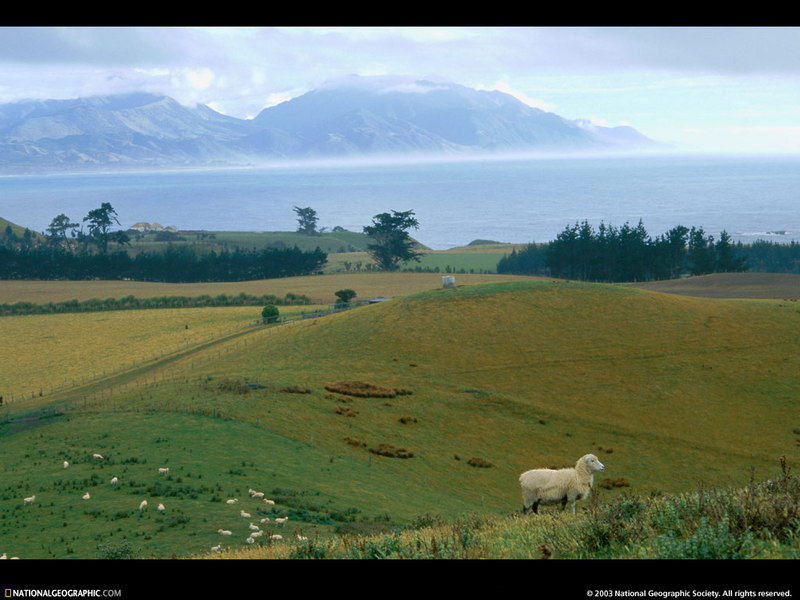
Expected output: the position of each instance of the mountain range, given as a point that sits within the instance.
(357, 116)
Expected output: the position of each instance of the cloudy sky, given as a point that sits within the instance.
(722, 88)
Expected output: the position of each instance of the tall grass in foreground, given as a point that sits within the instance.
(761, 520)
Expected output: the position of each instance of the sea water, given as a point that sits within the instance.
(517, 200)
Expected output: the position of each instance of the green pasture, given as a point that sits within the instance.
(488, 380)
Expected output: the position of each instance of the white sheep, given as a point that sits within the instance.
(28, 500)
(276, 537)
(281, 520)
(245, 515)
(114, 481)
(86, 496)
(265, 520)
(551, 486)
(301, 538)
(161, 507)
(216, 548)
(259, 495)
(231, 501)
(97, 456)
(143, 505)
(66, 464)
(250, 540)
(254, 527)
(224, 531)
(256, 534)
(163, 470)
(269, 501)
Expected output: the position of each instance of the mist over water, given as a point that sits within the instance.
(514, 200)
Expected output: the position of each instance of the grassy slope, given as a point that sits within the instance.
(669, 391)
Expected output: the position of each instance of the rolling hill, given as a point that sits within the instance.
(477, 384)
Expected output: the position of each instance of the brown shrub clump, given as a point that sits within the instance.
(391, 451)
(354, 442)
(406, 419)
(608, 484)
(295, 389)
(346, 411)
(364, 390)
(480, 463)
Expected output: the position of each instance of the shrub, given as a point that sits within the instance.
(270, 313)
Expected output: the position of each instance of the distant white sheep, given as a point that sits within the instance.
(231, 501)
(551, 486)
(66, 464)
(269, 501)
(86, 496)
(301, 538)
(216, 548)
(224, 531)
(250, 540)
(281, 520)
(143, 505)
(276, 537)
(161, 507)
(254, 527)
(265, 520)
(259, 495)
(28, 500)
(97, 456)
(256, 534)
(245, 515)
(114, 481)
(163, 470)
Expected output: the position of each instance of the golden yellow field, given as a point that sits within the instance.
(50, 352)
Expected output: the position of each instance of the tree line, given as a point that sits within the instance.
(69, 253)
(176, 264)
(627, 253)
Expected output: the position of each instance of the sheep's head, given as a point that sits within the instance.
(590, 463)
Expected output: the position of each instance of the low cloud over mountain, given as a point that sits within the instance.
(353, 117)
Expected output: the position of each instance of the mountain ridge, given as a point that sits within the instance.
(353, 117)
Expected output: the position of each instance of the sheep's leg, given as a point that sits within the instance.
(536, 507)
(564, 503)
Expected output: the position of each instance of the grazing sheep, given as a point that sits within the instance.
(66, 464)
(224, 531)
(551, 486)
(301, 538)
(258, 495)
(28, 500)
(161, 507)
(245, 515)
(143, 505)
(254, 527)
(97, 456)
(250, 540)
(256, 534)
(86, 496)
(216, 548)
(114, 481)
(281, 520)
(231, 501)
(269, 501)
(276, 537)
(163, 470)
(265, 520)
(4, 557)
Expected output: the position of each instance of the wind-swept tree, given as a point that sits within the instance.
(100, 222)
(60, 227)
(391, 242)
(307, 220)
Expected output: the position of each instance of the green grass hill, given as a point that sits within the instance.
(426, 405)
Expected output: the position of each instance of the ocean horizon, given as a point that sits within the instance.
(512, 200)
